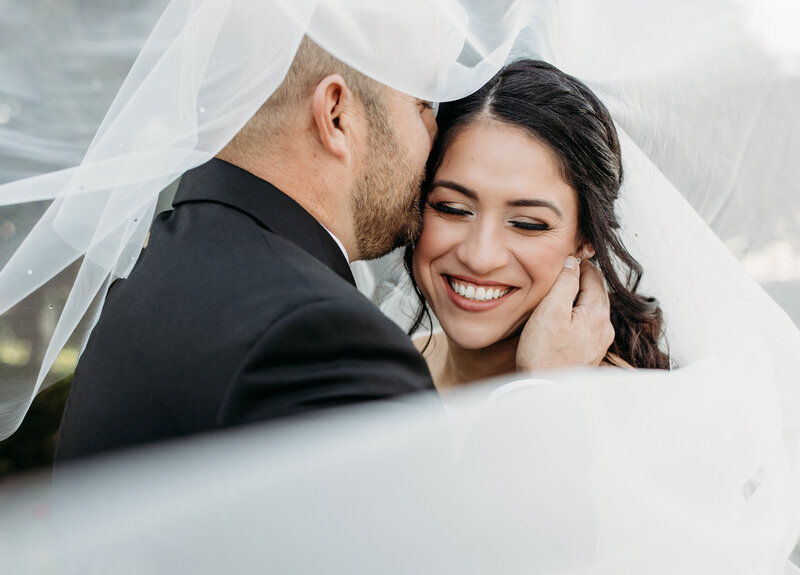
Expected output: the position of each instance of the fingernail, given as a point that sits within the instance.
(571, 263)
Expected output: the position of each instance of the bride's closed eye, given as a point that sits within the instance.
(530, 226)
(450, 208)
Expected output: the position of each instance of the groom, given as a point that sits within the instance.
(243, 309)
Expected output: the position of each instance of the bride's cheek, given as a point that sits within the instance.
(435, 236)
(421, 262)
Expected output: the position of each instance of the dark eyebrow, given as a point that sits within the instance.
(536, 204)
(455, 187)
(513, 203)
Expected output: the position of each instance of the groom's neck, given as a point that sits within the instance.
(319, 186)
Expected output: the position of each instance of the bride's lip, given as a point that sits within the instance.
(471, 304)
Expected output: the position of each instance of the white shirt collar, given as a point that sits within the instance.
(338, 243)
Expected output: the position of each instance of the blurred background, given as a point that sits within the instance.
(62, 63)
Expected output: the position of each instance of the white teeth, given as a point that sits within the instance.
(479, 294)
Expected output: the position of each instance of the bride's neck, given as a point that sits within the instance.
(468, 365)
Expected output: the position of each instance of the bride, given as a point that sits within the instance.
(524, 173)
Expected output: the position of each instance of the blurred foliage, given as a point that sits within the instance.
(33, 444)
(25, 333)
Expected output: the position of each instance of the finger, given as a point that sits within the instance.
(561, 296)
(593, 292)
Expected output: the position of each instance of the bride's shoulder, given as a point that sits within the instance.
(433, 347)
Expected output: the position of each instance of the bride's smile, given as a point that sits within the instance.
(467, 292)
(498, 222)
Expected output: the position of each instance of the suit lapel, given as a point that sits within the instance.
(223, 183)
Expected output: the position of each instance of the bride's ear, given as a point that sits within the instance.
(584, 250)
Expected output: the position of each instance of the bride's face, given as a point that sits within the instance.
(497, 226)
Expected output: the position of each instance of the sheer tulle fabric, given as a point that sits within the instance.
(694, 470)
(583, 476)
(203, 72)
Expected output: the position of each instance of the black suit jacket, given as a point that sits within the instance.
(241, 309)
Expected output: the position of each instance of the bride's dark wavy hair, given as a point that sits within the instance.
(562, 113)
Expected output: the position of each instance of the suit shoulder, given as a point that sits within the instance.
(328, 352)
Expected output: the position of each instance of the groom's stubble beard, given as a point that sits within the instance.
(385, 201)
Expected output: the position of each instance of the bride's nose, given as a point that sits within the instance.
(483, 249)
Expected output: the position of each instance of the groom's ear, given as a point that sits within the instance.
(332, 104)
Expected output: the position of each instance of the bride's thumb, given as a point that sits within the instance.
(565, 289)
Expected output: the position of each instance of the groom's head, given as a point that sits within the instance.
(349, 149)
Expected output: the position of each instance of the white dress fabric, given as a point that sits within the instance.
(612, 471)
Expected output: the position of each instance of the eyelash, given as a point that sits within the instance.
(426, 105)
(525, 226)
(450, 210)
(531, 226)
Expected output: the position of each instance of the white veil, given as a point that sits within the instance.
(691, 471)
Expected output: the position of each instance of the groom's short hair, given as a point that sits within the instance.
(310, 66)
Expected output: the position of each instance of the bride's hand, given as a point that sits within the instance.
(559, 334)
